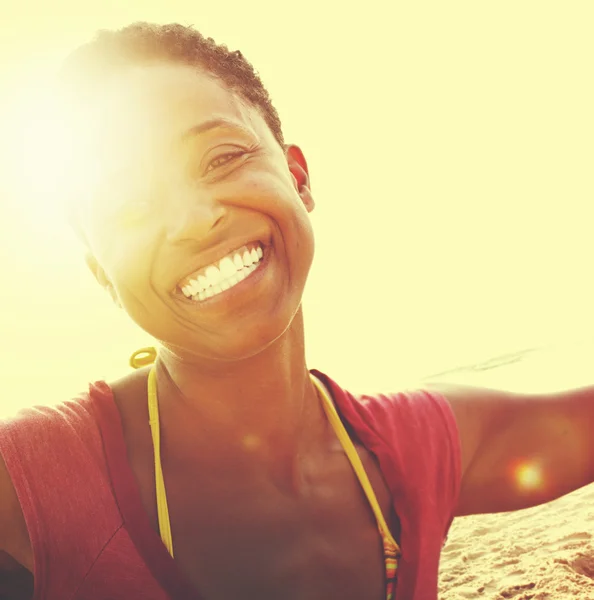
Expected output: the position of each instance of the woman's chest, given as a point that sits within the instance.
(236, 536)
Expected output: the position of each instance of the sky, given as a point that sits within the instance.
(450, 148)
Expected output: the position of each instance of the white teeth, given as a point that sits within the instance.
(213, 275)
(227, 267)
(230, 271)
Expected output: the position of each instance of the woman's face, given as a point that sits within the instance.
(187, 174)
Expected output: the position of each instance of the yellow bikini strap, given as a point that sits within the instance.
(162, 507)
(353, 457)
(142, 358)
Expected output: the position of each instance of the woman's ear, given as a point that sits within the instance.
(298, 169)
(101, 277)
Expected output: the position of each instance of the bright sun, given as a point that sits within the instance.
(42, 166)
(39, 148)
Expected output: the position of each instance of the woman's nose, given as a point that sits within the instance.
(193, 217)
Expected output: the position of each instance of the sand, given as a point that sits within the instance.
(541, 553)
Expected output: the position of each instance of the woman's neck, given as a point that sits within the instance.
(265, 406)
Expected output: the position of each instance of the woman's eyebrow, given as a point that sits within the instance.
(124, 172)
(209, 124)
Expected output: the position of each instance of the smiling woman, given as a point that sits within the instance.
(223, 466)
(195, 215)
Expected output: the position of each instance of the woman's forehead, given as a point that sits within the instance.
(162, 102)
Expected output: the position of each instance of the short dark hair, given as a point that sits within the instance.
(110, 52)
(145, 43)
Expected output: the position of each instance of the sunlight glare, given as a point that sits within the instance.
(529, 476)
(44, 162)
(40, 144)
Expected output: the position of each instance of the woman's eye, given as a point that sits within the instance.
(223, 159)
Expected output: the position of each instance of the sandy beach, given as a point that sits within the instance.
(542, 553)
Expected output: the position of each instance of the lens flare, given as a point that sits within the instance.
(528, 476)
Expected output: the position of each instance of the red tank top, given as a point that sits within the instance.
(92, 539)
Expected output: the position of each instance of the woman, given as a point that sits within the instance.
(222, 467)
